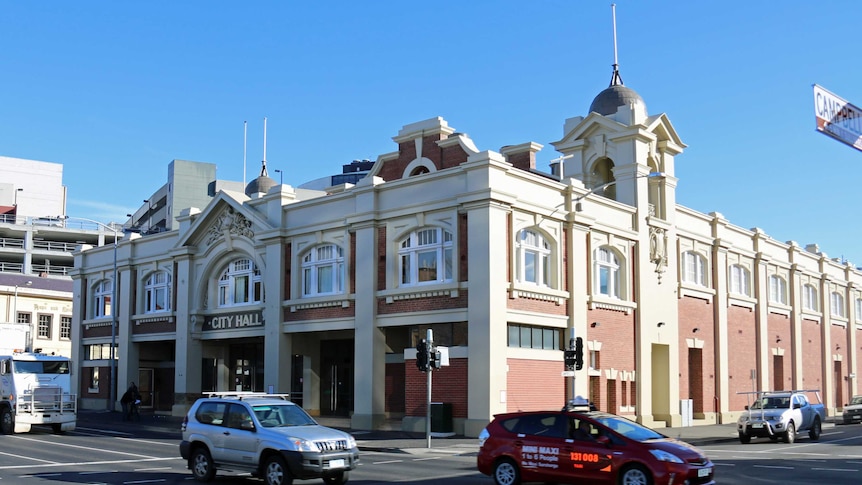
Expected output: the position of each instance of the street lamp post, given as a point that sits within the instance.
(280, 176)
(114, 317)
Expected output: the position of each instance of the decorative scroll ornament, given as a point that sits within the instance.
(658, 249)
(229, 223)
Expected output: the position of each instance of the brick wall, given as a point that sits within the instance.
(778, 328)
(442, 158)
(381, 258)
(443, 302)
(448, 385)
(812, 369)
(319, 313)
(533, 385)
(697, 313)
(538, 306)
(395, 387)
(288, 266)
(463, 235)
(166, 325)
(742, 345)
(615, 331)
(839, 346)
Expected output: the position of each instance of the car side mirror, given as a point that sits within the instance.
(797, 405)
(603, 440)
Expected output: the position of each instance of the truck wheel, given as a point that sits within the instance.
(275, 472)
(57, 428)
(7, 421)
(816, 429)
(790, 434)
(339, 478)
(202, 465)
(744, 438)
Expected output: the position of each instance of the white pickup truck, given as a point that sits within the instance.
(781, 414)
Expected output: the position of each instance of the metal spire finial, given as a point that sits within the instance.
(616, 79)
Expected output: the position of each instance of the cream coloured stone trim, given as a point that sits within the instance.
(611, 304)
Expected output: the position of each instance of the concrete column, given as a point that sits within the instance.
(827, 388)
(127, 352)
(487, 322)
(369, 369)
(722, 354)
(277, 361)
(187, 374)
(761, 328)
(796, 362)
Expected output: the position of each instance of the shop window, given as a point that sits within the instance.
(157, 293)
(533, 258)
(323, 271)
(102, 295)
(426, 257)
(239, 284)
(607, 273)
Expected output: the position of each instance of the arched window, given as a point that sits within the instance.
(836, 302)
(533, 258)
(323, 271)
(157, 292)
(607, 273)
(426, 257)
(693, 268)
(739, 281)
(777, 290)
(239, 284)
(809, 298)
(102, 299)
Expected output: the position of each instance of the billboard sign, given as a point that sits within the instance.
(838, 118)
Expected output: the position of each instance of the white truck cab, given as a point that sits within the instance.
(35, 388)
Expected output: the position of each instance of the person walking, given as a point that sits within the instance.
(131, 400)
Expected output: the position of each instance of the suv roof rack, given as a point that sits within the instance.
(240, 395)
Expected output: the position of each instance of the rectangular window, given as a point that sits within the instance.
(526, 336)
(93, 378)
(45, 326)
(624, 397)
(65, 328)
(24, 318)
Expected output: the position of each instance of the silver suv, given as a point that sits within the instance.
(266, 435)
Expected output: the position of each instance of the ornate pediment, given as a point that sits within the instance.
(228, 224)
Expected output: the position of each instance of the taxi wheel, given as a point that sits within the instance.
(814, 432)
(635, 475)
(790, 434)
(506, 473)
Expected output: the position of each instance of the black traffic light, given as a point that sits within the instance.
(436, 358)
(579, 353)
(569, 357)
(422, 355)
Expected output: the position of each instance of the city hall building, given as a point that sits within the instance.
(324, 294)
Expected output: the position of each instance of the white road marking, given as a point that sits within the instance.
(82, 463)
(26, 457)
(88, 448)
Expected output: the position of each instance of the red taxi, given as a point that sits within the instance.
(586, 447)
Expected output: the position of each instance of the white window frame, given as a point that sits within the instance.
(424, 246)
(809, 297)
(102, 295)
(65, 327)
(607, 269)
(157, 288)
(777, 290)
(693, 268)
(239, 275)
(858, 310)
(740, 282)
(836, 305)
(44, 324)
(321, 259)
(532, 245)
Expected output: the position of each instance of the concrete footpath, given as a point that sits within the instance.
(385, 440)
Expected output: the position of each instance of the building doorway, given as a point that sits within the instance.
(336, 377)
(246, 367)
(145, 387)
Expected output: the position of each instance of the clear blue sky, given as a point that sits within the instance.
(115, 90)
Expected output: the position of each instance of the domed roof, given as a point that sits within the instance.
(610, 100)
(261, 184)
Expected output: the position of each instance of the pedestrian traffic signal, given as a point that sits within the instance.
(579, 353)
(422, 355)
(569, 356)
(436, 358)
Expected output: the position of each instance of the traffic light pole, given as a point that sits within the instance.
(572, 347)
(430, 339)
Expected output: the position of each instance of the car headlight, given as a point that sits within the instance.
(351, 442)
(483, 436)
(303, 445)
(662, 455)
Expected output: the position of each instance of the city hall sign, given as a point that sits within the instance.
(233, 321)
